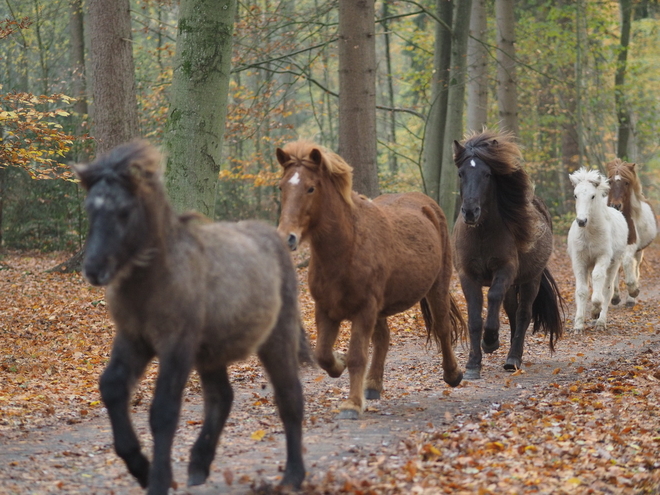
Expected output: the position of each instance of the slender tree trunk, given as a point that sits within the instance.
(477, 87)
(198, 110)
(435, 125)
(622, 113)
(77, 64)
(456, 102)
(115, 118)
(357, 92)
(507, 94)
(392, 160)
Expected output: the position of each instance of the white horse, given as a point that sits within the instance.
(626, 196)
(596, 243)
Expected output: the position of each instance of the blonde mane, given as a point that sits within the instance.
(340, 172)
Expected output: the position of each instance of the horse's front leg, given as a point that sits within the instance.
(608, 289)
(218, 398)
(327, 330)
(601, 294)
(616, 297)
(498, 288)
(631, 262)
(581, 295)
(127, 363)
(358, 353)
(474, 298)
(174, 369)
(526, 294)
(381, 341)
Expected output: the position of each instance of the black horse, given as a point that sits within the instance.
(502, 240)
(194, 294)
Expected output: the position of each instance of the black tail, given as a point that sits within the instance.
(305, 357)
(548, 310)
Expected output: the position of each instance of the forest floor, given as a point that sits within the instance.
(585, 419)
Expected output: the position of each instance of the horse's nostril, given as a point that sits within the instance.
(581, 222)
(292, 240)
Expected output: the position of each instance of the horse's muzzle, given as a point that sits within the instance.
(471, 215)
(582, 222)
(616, 206)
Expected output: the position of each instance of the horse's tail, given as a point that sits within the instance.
(305, 357)
(458, 327)
(548, 310)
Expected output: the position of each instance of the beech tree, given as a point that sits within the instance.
(198, 109)
(357, 92)
(507, 94)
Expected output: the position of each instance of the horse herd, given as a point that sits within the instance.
(198, 294)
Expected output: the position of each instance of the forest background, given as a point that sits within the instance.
(570, 96)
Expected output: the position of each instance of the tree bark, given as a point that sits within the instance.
(435, 125)
(507, 94)
(115, 118)
(78, 76)
(477, 86)
(357, 92)
(392, 159)
(198, 109)
(455, 104)
(622, 113)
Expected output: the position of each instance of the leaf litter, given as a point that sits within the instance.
(582, 420)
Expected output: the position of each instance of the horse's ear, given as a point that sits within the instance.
(458, 149)
(494, 142)
(573, 179)
(316, 156)
(282, 156)
(82, 172)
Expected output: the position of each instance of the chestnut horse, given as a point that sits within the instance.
(503, 240)
(369, 260)
(627, 197)
(192, 294)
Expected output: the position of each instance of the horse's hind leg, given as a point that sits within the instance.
(381, 342)
(280, 359)
(526, 295)
(616, 297)
(441, 328)
(117, 381)
(633, 288)
(218, 398)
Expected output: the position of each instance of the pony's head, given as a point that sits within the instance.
(591, 189)
(310, 172)
(491, 176)
(623, 183)
(117, 183)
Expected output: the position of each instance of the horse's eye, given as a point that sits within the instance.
(592, 197)
(575, 196)
(310, 190)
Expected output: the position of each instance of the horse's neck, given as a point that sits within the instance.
(635, 206)
(333, 235)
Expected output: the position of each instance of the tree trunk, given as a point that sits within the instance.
(77, 63)
(507, 95)
(622, 113)
(392, 159)
(435, 125)
(357, 92)
(113, 86)
(198, 109)
(115, 118)
(456, 102)
(477, 86)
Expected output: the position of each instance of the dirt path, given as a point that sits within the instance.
(79, 458)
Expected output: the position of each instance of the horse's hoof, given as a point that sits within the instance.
(371, 394)
(293, 478)
(456, 381)
(472, 374)
(630, 304)
(348, 414)
(616, 300)
(633, 292)
(489, 348)
(512, 364)
(196, 478)
(601, 325)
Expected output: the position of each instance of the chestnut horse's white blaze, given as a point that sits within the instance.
(369, 260)
(626, 196)
(596, 243)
